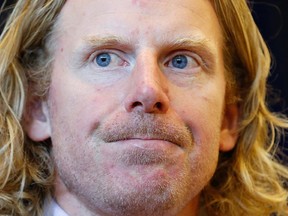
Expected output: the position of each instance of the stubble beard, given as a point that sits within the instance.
(100, 194)
(165, 198)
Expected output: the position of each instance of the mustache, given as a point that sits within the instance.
(145, 126)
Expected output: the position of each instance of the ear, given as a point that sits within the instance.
(229, 129)
(36, 120)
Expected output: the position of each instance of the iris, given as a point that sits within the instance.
(179, 61)
(103, 59)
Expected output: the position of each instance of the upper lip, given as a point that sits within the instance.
(145, 127)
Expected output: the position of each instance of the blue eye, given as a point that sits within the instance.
(103, 59)
(180, 61)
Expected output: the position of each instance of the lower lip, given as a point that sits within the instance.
(147, 153)
(148, 144)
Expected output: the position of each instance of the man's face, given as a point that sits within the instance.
(137, 103)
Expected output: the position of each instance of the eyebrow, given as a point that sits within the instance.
(93, 42)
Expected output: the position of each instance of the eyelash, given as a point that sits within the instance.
(198, 60)
(93, 56)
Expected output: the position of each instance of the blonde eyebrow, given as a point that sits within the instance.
(190, 41)
(197, 40)
(112, 40)
(198, 43)
(107, 41)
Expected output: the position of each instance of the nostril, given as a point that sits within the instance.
(147, 107)
(158, 105)
(137, 103)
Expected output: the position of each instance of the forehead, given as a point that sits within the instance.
(137, 5)
(139, 16)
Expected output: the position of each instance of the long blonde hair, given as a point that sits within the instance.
(27, 171)
(248, 180)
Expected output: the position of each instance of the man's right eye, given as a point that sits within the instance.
(106, 59)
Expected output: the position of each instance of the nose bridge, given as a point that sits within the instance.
(149, 89)
(147, 72)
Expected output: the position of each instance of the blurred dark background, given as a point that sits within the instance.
(272, 18)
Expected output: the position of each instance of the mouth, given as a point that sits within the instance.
(149, 137)
(148, 142)
(146, 130)
(146, 151)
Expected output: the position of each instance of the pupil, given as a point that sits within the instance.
(103, 59)
(180, 61)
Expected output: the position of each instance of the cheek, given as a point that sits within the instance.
(77, 106)
(204, 123)
(202, 114)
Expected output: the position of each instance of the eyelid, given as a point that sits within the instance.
(187, 53)
(93, 54)
(115, 52)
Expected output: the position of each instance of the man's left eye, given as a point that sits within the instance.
(103, 59)
(106, 59)
(182, 62)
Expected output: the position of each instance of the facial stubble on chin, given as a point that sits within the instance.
(152, 199)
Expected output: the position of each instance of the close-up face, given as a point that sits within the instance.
(136, 108)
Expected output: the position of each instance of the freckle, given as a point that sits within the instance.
(61, 49)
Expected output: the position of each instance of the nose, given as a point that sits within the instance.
(148, 88)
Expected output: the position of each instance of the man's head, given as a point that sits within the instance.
(134, 100)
